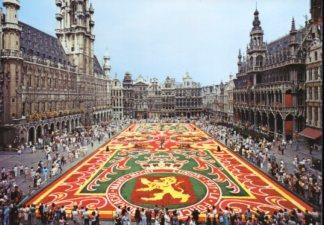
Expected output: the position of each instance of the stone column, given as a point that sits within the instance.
(255, 119)
(275, 126)
(319, 116)
(294, 125)
(284, 129)
(313, 115)
(254, 93)
(261, 117)
(69, 127)
(275, 100)
(35, 134)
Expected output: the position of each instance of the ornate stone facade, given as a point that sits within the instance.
(117, 99)
(314, 73)
(154, 99)
(188, 98)
(48, 83)
(269, 90)
(143, 99)
(278, 85)
(128, 96)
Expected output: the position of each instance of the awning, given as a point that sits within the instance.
(311, 133)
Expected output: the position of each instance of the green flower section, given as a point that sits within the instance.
(199, 189)
(185, 157)
(226, 192)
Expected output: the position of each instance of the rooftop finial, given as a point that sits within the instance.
(256, 21)
(293, 27)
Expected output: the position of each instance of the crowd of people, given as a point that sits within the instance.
(56, 151)
(60, 150)
(302, 179)
(213, 216)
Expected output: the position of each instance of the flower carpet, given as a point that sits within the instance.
(170, 165)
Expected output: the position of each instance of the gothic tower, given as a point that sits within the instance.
(11, 60)
(257, 48)
(75, 32)
(293, 44)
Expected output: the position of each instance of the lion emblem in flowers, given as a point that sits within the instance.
(164, 185)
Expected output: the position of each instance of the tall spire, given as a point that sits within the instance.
(256, 22)
(293, 27)
(240, 55)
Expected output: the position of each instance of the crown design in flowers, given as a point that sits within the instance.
(160, 161)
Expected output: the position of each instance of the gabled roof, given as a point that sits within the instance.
(34, 42)
(283, 42)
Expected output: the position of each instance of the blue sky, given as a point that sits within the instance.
(157, 38)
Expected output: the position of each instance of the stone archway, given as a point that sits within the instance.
(72, 124)
(289, 129)
(63, 128)
(39, 132)
(279, 123)
(271, 119)
(31, 135)
(300, 123)
(52, 128)
(46, 129)
(264, 119)
(95, 119)
(68, 127)
(258, 119)
(58, 125)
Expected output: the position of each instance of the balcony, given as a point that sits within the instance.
(59, 16)
(6, 53)
(12, 2)
(11, 26)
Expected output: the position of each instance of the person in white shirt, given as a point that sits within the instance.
(167, 219)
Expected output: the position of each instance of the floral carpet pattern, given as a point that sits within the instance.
(172, 165)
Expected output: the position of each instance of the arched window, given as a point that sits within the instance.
(259, 61)
(251, 61)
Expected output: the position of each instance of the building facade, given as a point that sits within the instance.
(154, 99)
(314, 74)
(229, 102)
(188, 98)
(140, 89)
(269, 92)
(128, 96)
(208, 101)
(117, 99)
(49, 83)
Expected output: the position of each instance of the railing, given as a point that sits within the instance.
(6, 53)
(45, 62)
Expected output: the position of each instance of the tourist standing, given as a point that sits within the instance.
(86, 217)
(137, 216)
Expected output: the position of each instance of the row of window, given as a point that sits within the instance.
(313, 93)
(313, 115)
(314, 74)
(40, 107)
